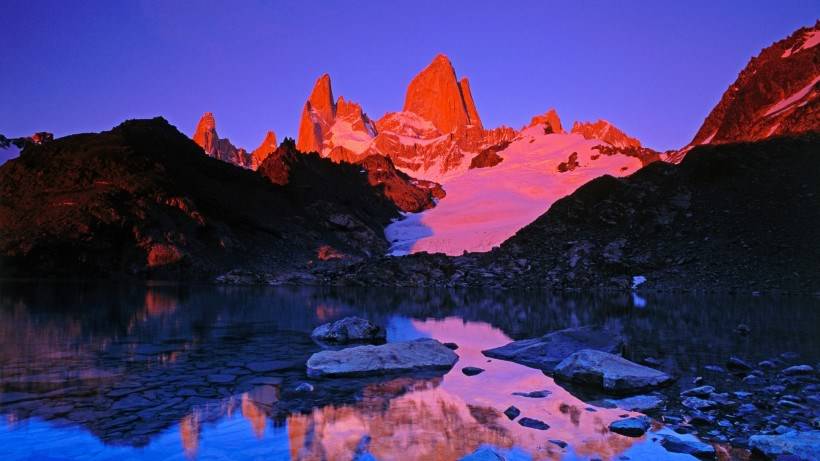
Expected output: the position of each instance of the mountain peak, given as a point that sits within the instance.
(550, 120)
(267, 147)
(321, 98)
(436, 95)
(317, 116)
(777, 93)
(605, 131)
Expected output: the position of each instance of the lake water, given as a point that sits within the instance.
(199, 372)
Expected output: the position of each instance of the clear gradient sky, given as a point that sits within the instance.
(653, 68)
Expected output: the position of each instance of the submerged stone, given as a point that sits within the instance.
(695, 448)
(484, 454)
(631, 427)
(547, 351)
(609, 372)
(401, 357)
(636, 403)
(512, 412)
(534, 423)
(471, 371)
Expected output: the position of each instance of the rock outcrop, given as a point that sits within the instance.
(267, 147)
(606, 132)
(143, 200)
(219, 148)
(550, 121)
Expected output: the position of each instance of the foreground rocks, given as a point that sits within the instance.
(349, 330)
(609, 372)
(547, 351)
(801, 445)
(400, 357)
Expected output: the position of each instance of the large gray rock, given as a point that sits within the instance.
(547, 351)
(695, 448)
(609, 372)
(349, 330)
(803, 445)
(402, 357)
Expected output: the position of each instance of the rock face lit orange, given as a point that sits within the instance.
(549, 120)
(262, 152)
(606, 132)
(436, 95)
(317, 116)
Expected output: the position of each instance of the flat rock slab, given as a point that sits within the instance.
(349, 330)
(637, 403)
(610, 372)
(805, 445)
(695, 448)
(547, 351)
(400, 357)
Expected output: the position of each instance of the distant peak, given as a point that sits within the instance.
(604, 131)
(550, 120)
(441, 57)
(435, 94)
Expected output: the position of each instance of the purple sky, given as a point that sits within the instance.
(655, 69)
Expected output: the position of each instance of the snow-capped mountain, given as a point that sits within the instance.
(222, 148)
(437, 133)
(777, 93)
(486, 206)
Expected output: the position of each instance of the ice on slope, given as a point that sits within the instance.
(486, 206)
(787, 102)
(810, 40)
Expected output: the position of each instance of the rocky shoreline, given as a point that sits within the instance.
(768, 409)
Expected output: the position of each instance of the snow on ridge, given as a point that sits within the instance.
(810, 40)
(486, 206)
(787, 102)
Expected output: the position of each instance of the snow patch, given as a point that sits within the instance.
(710, 138)
(485, 206)
(810, 40)
(343, 134)
(785, 103)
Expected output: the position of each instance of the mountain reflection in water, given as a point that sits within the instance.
(197, 372)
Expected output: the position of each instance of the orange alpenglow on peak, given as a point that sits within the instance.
(548, 119)
(436, 95)
(205, 134)
(604, 131)
(264, 150)
(317, 116)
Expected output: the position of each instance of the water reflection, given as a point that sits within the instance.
(182, 372)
